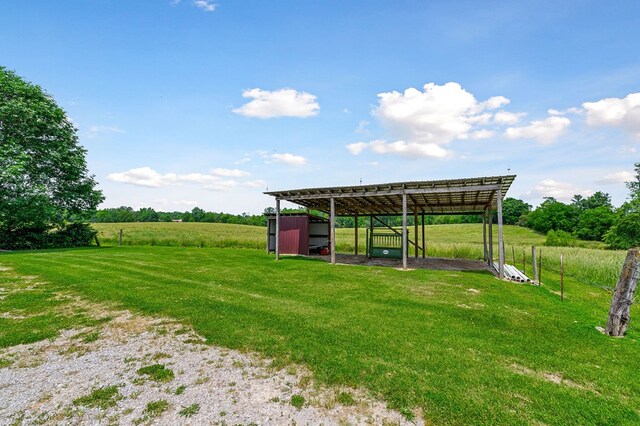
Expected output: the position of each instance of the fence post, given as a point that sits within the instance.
(540, 268)
(534, 263)
(120, 238)
(619, 313)
(561, 277)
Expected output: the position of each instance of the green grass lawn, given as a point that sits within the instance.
(465, 348)
(592, 266)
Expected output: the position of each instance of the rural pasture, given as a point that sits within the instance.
(450, 347)
(590, 264)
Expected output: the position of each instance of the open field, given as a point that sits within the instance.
(589, 265)
(455, 348)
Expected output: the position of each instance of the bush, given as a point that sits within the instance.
(560, 239)
(625, 234)
(71, 235)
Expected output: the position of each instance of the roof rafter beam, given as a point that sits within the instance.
(382, 193)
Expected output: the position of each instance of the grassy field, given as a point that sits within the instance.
(464, 348)
(592, 266)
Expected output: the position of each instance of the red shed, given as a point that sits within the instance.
(300, 233)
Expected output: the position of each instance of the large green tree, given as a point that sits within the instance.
(625, 233)
(44, 181)
(554, 215)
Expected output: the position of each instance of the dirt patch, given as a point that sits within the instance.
(434, 263)
(552, 377)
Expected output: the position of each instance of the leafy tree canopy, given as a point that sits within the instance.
(44, 181)
(513, 210)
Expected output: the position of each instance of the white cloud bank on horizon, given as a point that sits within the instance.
(217, 180)
(545, 131)
(278, 103)
(617, 177)
(423, 122)
(616, 112)
(561, 191)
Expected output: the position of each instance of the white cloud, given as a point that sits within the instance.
(148, 177)
(482, 134)
(279, 103)
(544, 131)
(616, 112)
(562, 191)
(508, 118)
(439, 114)
(256, 183)
(576, 111)
(142, 176)
(293, 160)
(362, 127)
(206, 5)
(357, 147)
(420, 122)
(408, 149)
(223, 185)
(173, 203)
(229, 172)
(617, 177)
(495, 102)
(94, 131)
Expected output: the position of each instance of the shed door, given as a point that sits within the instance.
(294, 235)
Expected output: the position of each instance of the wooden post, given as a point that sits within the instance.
(534, 265)
(424, 242)
(404, 231)
(332, 225)
(513, 253)
(97, 241)
(500, 236)
(415, 231)
(619, 313)
(370, 236)
(490, 229)
(268, 234)
(540, 267)
(277, 229)
(484, 234)
(356, 234)
(120, 238)
(561, 278)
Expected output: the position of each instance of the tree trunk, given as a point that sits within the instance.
(619, 316)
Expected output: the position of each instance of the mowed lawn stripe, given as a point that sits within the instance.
(417, 338)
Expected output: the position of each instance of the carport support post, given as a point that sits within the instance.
(484, 233)
(500, 236)
(415, 231)
(490, 260)
(404, 231)
(277, 229)
(332, 225)
(424, 244)
(356, 233)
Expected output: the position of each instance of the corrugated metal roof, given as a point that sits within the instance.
(449, 196)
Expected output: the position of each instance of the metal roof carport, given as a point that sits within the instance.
(451, 196)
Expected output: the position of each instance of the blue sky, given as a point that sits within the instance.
(208, 103)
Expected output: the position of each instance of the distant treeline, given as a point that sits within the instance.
(147, 214)
(590, 218)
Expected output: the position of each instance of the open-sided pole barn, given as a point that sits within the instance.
(481, 195)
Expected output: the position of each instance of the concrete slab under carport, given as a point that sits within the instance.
(432, 263)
